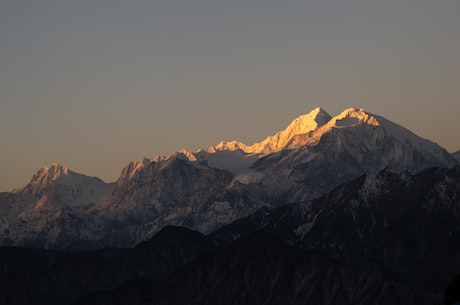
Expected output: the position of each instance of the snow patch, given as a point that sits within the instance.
(301, 125)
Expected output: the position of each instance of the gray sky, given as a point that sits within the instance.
(95, 84)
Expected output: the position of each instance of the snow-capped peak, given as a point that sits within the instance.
(354, 126)
(352, 116)
(183, 153)
(55, 171)
(56, 174)
(232, 145)
(130, 170)
(301, 125)
(47, 174)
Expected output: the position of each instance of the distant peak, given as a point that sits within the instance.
(319, 112)
(353, 116)
(232, 145)
(53, 172)
(300, 125)
(307, 122)
(352, 111)
(44, 176)
(186, 154)
(159, 158)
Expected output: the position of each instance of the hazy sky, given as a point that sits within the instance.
(95, 84)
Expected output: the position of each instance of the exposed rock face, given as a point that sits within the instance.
(389, 238)
(173, 191)
(52, 210)
(207, 189)
(179, 266)
(408, 224)
(315, 153)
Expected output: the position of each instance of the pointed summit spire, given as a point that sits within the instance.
(42, 179)
(56, 170)
(307, 122)
(320, 115)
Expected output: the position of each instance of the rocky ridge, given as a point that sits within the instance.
(207, 189)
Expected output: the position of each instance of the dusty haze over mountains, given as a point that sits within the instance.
(95, 84)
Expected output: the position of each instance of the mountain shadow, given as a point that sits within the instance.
(37, 276)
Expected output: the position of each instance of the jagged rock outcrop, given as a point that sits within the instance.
(52, 210)
(207, 189)
(408, 224)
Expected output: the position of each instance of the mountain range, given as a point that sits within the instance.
(181, 266)
(351, 209)
(399, 221)
(207, 189)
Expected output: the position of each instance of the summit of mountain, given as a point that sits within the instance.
(51, 211)
(58, 176)
(207, 189)
(300, 125)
